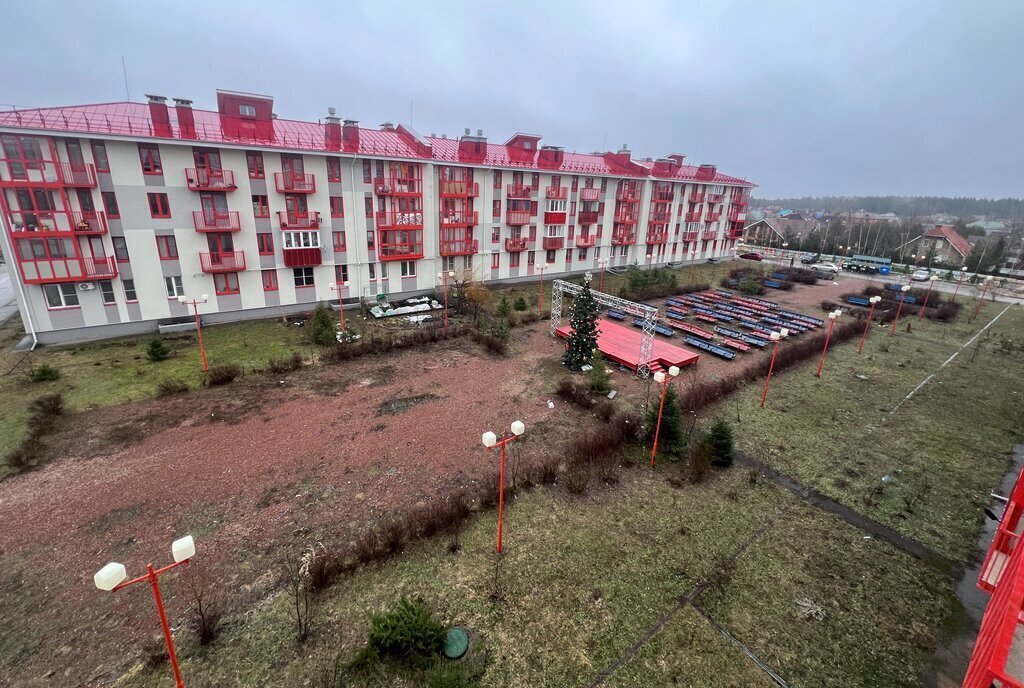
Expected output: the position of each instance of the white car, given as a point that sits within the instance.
(921, 275)
(826, 267)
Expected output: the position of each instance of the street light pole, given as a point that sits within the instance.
(663, 379)
(931, 281)
(490, 440)
(871, 312)
(341, 307)
(443, 276)
(961, 276)
(199, 327)
(693, 260)
(981, 299)
(775, 337)
(111, 578)
(828, 335)
(602, 262)
(903, 294)
(540, 298)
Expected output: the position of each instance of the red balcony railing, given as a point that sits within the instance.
(590, 194)
(459, 218)
(734, 234)
(89, 222)
(694, 216)
(624, 237)
(738, 201)
(296, 220)
(84, 222)
(458, 246)
(713, 215)
(82, 176)
(696, 197)
(557, 193)
(585, 240)
(219, 221)
(659, 216)
(302, 257)
(554, 218)
(553, 243)
(689, 236)
(708, 236)
(715, 197)
(295, 183)
(626, 215)
(459, 189)
(515, 244)
(517, 217)
(657, 236)
(662, 196)
(399, 244)
(398, 186)
(736, 214)
(222, 261)
(391, 219)
(99, 268)
(587, 217)
(205, 179)
(519, 190)
(73, 269)
(627, 194)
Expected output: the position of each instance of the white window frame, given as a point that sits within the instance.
(174, 287)
(107, 292)
(447, 263)
(715, 189)
(555, 231)
(246, 110)
(300, 239)
(65, 294)
(408, 268)
(130, 295)
(556, 206)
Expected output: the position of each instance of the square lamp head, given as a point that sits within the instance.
(659, 377)
(875, 299)
(183, 548)
(905, 287)
(673, 371)
(784, 332)
(775, 336)
(489, 439)
(110, 576)
(518, 428)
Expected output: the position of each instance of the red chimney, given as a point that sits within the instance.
(551, 157)
(332, 130)
(158, 113)
(350, 134)
(706, 172)
(186, 120)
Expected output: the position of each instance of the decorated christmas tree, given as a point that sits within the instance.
(579, 350)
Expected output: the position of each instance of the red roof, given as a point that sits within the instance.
(962, 246)
(134, 119)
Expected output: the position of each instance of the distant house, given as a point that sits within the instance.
(863, 217)
(773, 230)
(988, 226)
(946, 245)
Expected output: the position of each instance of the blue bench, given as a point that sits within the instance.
(660, 329)
(774, 284)
(778, 275)
(906, 298)
(894, 287)
(731, 282)
(801, 317)
(723, 293)
(674, 316)
(617, 315)
(710, 348)
(858, 301)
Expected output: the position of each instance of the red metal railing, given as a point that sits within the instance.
(657, 236)
(689, 236)
(223, 261)
(297, 220)
(392, 219)
(734, 214)
(458, 246)
(399, 244)
(662, 196)
(660, 216)
(627, 194)
(89, 222)
(627, 215)
(515, 244)
(517, 217)
(713, 215)
(554, 218)
(398, 186)
(216, 221)
(302, 257)
(553, 243)
(459, 218)
(557, 193)
(587, 217)
(734, 234)
(694, 216)
(83, 175)
(590, 194)
(715, 198)
(585, 240)
(696, 197)
(459, 189)
(99, 268)
(206, 179)
(295, 183)
(74, 269)
(518, 190)
(709, 235)
(623, 237)
(45, 222)
(738, 201)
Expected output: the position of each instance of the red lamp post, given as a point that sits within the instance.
(443, 276)
(871, 312)
(540, 298)
(959, 281)
(490, 440)
(903, 294)
(603, 262)
(981, 299)
(661, 378)
(199, 327)
(931, 281)
(111, 578)
(828, 336)
(693, 260)
(775, 337)
(341, 307)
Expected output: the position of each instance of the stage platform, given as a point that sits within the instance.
(622, 345)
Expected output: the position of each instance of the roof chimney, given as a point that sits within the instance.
(480, 133)
(706, 172)
(159, 114)
(350, 134)
(466, 131)
(332, 130)
(550, 157)
(186, 120)
(387, 126)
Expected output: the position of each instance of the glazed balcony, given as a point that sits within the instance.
(626, 216)
(222, 261)
(659, 217)
(399, 186)
(662, 196)
(78, 176)
(734, 234)
(302, 257)
(709, 235)
(736, 214)
(694, 216)
(738, 201)
(557, 193)
(515, 244)
(459, 189)
(553, 243)
(657, 235)
(716, 197)
(295, 183)
(590, 194)
(689, 236)
(696, 197)
(399, 245)
(291, 219)
(216, 221)
(45, 173)
(391, 219)
(624, 237)
(517, 218)
(585, 240)
(205, 179)
(713, 216)
(56, 222)
(554, 218)
(628, 194)
(518, 191)
(57, 270)
(587, 217)
(460, 218)
(458, 246)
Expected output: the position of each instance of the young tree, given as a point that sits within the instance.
(598, 378)
(583, 340)
(719, 439)
(321, 326)
(672, 435)
(156, 350)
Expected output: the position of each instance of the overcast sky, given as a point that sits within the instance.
(803, 98)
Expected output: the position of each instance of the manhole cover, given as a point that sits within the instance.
(456, 644)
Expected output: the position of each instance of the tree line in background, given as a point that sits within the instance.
(1011, 209)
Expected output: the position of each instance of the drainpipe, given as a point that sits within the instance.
(16, 279)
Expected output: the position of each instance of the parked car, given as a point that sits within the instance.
(811, 259)
(751, 256)
(921, 275)
(826, 267)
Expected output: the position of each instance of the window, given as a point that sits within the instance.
(149, 155)
(367, 172)
(158, 205)
(246, 110)
(99, 154)
(60, 296)
(265, 243)
(269, 280)
(369, 238)
(513, 260)
(368, 205)
(448, 263)
(174, 287)
(254, 161)
(167, 247)
(225, 283)
(582, 254)
(383, 271)
(495, 260)
(408, 268)
(535, 180)
(497, 179)
(549, 257)
(572, 208)
(495, 234)
(604, 184)
(373, 271)
(341, 273)
(129, 290)
(107, 290)
(556, 181)
(496, 208)
(533, 232)
(556, 206)
(260, 207)
(531, 258)
(337, 206)
(600, 229)
(339, 241)
(334, 169)
(300, 239)
(303, 277)
(623, 250)
(120, 249)
(110, 205)
(533, 207)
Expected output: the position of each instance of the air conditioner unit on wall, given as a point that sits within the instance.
(86, 286)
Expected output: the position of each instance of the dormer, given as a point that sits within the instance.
(246, 115)
(415, 141)
(668, 166)
(706, 172)
(473, 148)
(522, 148)
(551, 157)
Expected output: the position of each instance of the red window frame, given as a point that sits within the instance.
(533, 232)
(110, 205)
(531, 258)
(495, 261)
(535, 180)
(334, 169)
(341, 273)
(269, 280)
(149, 158)
(496, 208)
(339, 241)
(225, 283)
(497, 179)
(513, 260)
(533, 207)
(367, 172)
(159, 206)
(549, 257)
(337, 206)
(265, 243)
(495, 234)
(368, 205)
(260, 206)
(99, 156)
(167, 247)
(254, 163)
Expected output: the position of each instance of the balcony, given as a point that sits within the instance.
(587, 217)
(80, 176)
(390, 219)
(459, 189)
(716, 198)
(519, 191)
(515, 244)
(657, 236)
(627, 194)
(734, 234)
(585, 240)
(399, 186)
(624, 237)
(205, 179)
(459, 218)
(659, 217)
(302, 257)
(458, 246)
(295, 183)
(696, 197)
(713, 215)
(738, 201)
(689, 236)
(553, 243)
(57, 270)
(694, 216)
(662, 196)
(557, 193)
(49, 222)
(554, 218)
(590, 194)
(399, 245)
(517, 218)
(216, 221)
(291, 219)
(736, 215)
(16, 172)
(225, 261)
(709, 235)
(626, 216)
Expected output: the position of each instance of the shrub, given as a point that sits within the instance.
(672, 435)
(321, 326)
(45, 373)
(520, 304)
(529, 317)
(170, 387)
(646, 284)
(445, 674)
(408, 632)
(156, 350)
(280, 366)
(47, 405)
(223, 374)
(751, 285)
(690, 288)
(504, 309)
(598, 378)
(719, 441)
(573, 391)
(495, 342)
(700, 461)
(577, 479)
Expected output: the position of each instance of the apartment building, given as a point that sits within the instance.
(111, 212)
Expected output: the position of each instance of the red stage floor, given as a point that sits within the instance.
(621, 344)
